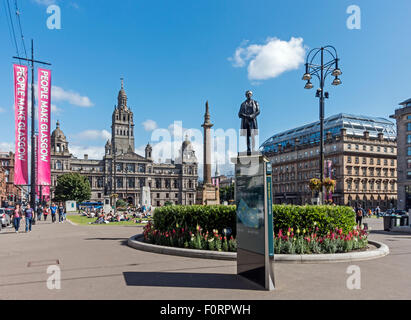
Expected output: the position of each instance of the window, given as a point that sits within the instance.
(99, 195)
(378, 149)
(131, 167)
(408, 174)
(119, 182)
(364, 160)
(408, 117)
(348, 146)
(131, 183)
(59, 166)
(385, 162)
(176, 195)
(357, 147)
(141, 168)
(378, 161)
(119, 167)
(371, 148)
(349, 159)
(409, 163)
(409, 126)
(371, 160)
(158, 183)
(409, 151)
(357, 160)
(364, 147)
(142, 182)
(385, 149)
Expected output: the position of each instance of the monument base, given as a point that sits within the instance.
(208, 194)
(253, 197)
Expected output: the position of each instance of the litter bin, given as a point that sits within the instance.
(405, 220)
(397, 221)
(387, 223)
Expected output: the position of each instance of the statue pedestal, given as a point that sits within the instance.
(208, 194)
(255, 238)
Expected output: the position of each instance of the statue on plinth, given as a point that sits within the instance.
(248, 113)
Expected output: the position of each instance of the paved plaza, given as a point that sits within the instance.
(96, 263)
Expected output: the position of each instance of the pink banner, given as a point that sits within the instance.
(43, 149)
(20, 114)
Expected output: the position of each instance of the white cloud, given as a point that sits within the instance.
(271, 59)
(56, 110)
(94, 135)
(96, 153)
(6, 146)
(74, 98)
(150, 125)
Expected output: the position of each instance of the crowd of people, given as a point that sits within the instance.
(30, 216)
(134, 215)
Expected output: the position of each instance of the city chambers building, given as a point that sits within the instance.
(360, 153)
(124, 172)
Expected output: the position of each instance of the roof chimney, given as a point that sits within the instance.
(86, 157)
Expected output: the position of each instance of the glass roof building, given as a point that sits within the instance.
(355, 125)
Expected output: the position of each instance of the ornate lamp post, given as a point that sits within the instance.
(321, 71)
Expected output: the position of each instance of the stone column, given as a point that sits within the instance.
(207, 146)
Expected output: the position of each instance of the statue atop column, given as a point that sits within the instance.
(248, 113)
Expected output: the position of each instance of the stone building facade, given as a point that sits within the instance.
(360, 154)
(9, 193)
(122, 171)
(403, 118)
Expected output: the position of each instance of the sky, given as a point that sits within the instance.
(176, 55)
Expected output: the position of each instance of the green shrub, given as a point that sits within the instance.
(326, 218)
(208, 217)
(218, 217)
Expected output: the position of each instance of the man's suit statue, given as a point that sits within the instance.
(248, 113)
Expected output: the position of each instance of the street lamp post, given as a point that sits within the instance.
(321, 71)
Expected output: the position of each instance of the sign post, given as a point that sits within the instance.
(255, 239)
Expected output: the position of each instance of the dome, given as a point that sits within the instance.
(186, 144)
(57, 133)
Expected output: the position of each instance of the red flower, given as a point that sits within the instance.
(280, 233)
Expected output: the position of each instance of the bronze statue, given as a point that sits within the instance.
(248, 113)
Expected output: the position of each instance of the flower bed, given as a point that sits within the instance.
(182, 238)
(308, 242)
(302, 242)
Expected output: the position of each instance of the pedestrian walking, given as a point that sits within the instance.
(39, 212)
(359, 215)
(378, 211)
(53, 210)
(61, 212)
(46, 211)
(28, 215)
(17, 218)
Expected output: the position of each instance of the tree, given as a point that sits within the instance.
(227, 193)
(72, 186)
(121, 203)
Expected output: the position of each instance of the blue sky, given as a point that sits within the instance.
(174, 55)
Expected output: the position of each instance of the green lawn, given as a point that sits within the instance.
(83, 220)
